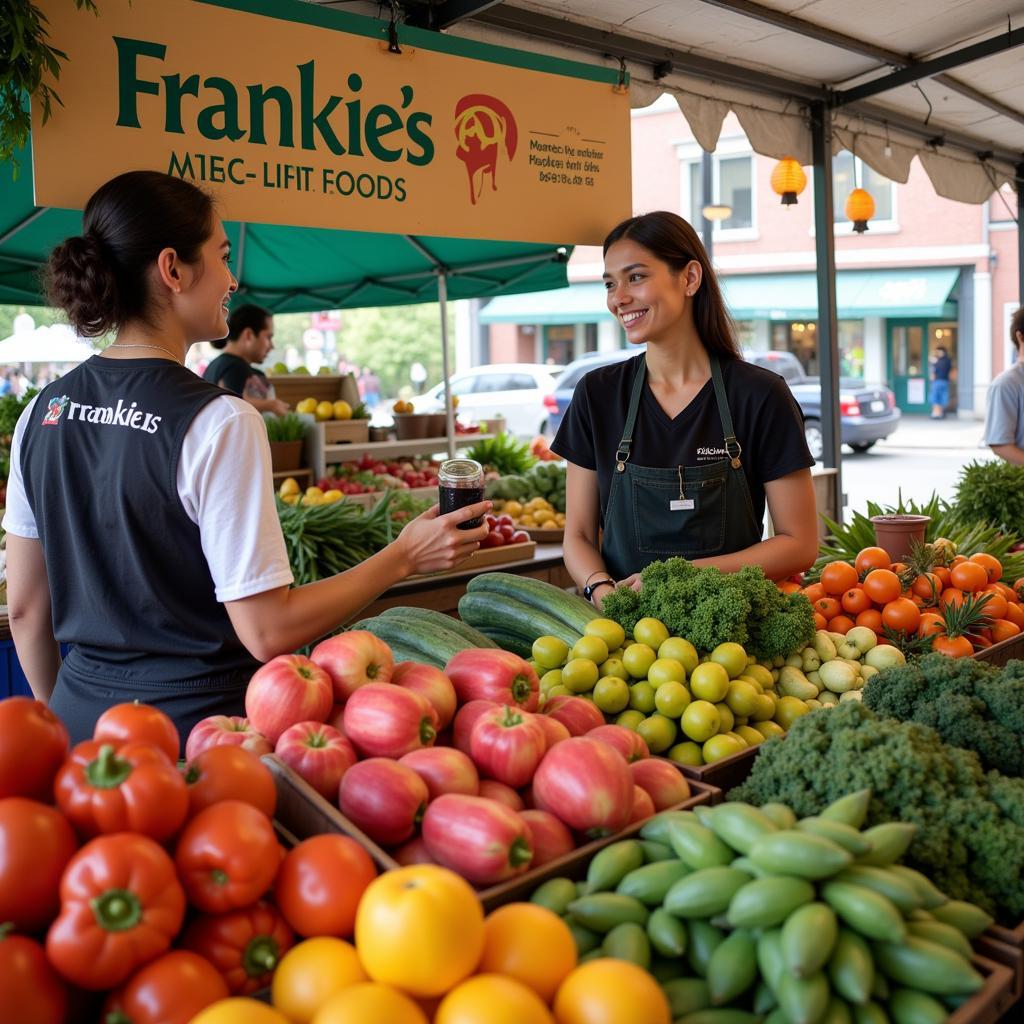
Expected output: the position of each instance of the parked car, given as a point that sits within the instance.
(513, 390)
(868, 412)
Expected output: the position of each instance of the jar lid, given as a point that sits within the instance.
(461, 469)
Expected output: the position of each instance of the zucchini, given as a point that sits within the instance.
(473, 637)
(420, 627)
(552, 600)
(488, 608)
(410, 643)
(508, 642)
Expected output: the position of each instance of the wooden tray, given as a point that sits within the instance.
(992, 1000)
(483, 557)
(726, 774)
(345, 431)
(302, 812)
(1009, 954)
(999, 654)
(543, 535)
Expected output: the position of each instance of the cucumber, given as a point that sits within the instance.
(886, 882)
(473, 637)
(799, 853)
(650, 884)
(686, 996)
(767, 902)
(482, 608)
(803, 1000)
(732, 968)
(927, 967)
(556, 894)
(780, 814)
(409, 642)
(667, 933)
(705, 893)
(852, 968)
(739, 825)
(909, 1007)
(508, 641)
(612, 864)
(842, 835)
(770, 961)
(971, 920)
(865, 910)
(572, 611)
(655, 852)
(808, 938)
(628, 941)
(889, 842)
(602, 911)
(656, 828)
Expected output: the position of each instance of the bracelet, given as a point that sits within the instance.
(588, 590)
(596, 572)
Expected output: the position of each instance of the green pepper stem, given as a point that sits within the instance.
(107, 770)
(261, 955)
(116, 910)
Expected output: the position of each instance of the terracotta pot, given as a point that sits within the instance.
(411, 426)
(285, 455)
(895, 533)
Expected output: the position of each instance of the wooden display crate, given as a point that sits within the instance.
(345, 431)
(302, 812)
(371, 499)
(726, 774)
(293, 388)
(1005, 946)
(992, 1000)
(999, 654)
(321, 453)
(543, 535)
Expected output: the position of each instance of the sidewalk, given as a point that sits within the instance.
(922, 432)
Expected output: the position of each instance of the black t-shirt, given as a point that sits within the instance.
(943, 365)
(766, 420)
(233, 372)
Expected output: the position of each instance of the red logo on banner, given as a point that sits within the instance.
(483, 126)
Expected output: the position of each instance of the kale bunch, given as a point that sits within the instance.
(970, 839)
(709, 607)
(968, 703)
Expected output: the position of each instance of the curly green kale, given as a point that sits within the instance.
(971, 825)
(709, 607)
(968, 703)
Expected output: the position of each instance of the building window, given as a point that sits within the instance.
(590, 337)
(882, 190)
(733, 185)
(801, 338)
(560, 344)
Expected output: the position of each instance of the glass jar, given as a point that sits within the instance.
(460, 483)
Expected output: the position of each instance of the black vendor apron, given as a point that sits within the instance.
(686, 511)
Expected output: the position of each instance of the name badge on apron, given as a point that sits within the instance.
(682, 503)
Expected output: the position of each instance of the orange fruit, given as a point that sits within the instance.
(992, 566)
(969, 577)
(871, 558)
(370, 1001)
(838, 577)
(605, 991)
(491, 999)
(882, 586)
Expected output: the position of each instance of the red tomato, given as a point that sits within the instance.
(444, 770)
(431, 683)
(500, 793)
(383, 798)
(352, 659)
(828, 608)
(319, 753)
(229, 773)
(320, 884)
(124, 723)
(855, 601)
(488, 674)
(549, 838)
(169, 990)
(465, 719)
(479, 839)
(872, 618)
(663, 781)
(245, 946)
(383, 720)
(628, 743)
(36, 843)
(30, 988)
(120, 907)
(227, 857)
(507, 744)
(520, 537)
(33, 745)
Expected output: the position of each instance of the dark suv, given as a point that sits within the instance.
(868, 412)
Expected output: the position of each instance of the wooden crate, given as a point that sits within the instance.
(345, 431)
(992, 1000)
(544, 535)
(726, 774)
(293, 388)
(1008, 953)
(302, 812)
(999, 654)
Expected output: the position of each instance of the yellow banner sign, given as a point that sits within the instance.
(315, 122)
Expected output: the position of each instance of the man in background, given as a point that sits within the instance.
(942, 366)
(250, 339)
(1004, 420)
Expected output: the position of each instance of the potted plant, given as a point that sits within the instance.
(286, 435)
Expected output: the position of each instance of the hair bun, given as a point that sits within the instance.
(81, 281)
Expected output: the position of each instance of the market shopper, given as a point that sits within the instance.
(942, 369)
(249, 341)
(1004, 405)
(675, 451)
(141, 522)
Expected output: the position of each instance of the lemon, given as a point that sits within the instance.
(788, 710)
(731, 657)
(324, 411)
(314, 492)
(666, 670)
(549, 679)
(550, 652)
(651, 632)
(613, 667)
(641, 698)
(342, 410)
(718, 747)
(579, 675)
(307, 405)
(726, 718)
(742, 698)
(512, 508)
(709, 681)
(289, 486)
(630, 718)
(671, 699)
(543, 516)
(680, 650)
(331, 496)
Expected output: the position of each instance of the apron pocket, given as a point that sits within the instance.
(689, 533)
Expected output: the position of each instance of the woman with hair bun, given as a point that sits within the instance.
(675, 451)
(141, 522)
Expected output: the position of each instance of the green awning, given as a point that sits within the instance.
(905, 292)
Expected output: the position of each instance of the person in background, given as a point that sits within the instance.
(942, 367)
(250, 338)
(1004, 417)
(369, 387)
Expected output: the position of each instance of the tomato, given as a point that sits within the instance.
(487, 674)
(951, 596)
(841, 624)
(420, 929)
(953, 646)
(872, 618)
(33, 745)
(996, 605)
(431, 683)
(607, 991)
(578, 715)
(815, 592)
(227, 857)
(882, 586)
(927, 586)
(140, 723)
(828, 608)
(1015, 613)
(992, 566)
(820, 622)
(789, 587)
(901, 615)
(549, 838)
(931, 624)
(36, 843)
(871, 558)
(1002, 629)
(240, 1010)
(28, 984)
(311, 973)
(320, 883)
(943, 574)
(625, 741)
(229, 773)
(226, 730)
(1008, 592)
(500, 793)
(370, 1001)
(969, 577)
(530, 944)
(244, 945)
(382, 720)
(120, 906)
(492, 999)
(838, 577)
(169, 990)
(288, 689)
(855, 601)
(1018, 587)
(133, 787)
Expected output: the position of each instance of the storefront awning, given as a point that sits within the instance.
(907, 292)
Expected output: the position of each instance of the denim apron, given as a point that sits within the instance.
(686, 511)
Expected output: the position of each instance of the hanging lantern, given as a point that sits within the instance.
(788, 180)
(860, 208)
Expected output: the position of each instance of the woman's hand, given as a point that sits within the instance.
(634, 582)
(433, 543)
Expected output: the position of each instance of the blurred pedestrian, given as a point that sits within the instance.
(369, 387)
(942, 367)
(250, 339)
(1004, 418)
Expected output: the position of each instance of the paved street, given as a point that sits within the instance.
(921, 457)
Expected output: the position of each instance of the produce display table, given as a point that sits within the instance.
(319, 454)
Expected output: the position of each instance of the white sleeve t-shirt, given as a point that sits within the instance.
(224, 483)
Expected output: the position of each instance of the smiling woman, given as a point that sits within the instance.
(675, 451)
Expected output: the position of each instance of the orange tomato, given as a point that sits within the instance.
(370, 1001)
(855, 601)
(838, 577)
(872, 558)
(882, 586)
(490, 999)
(531, 944)
(931, 624)
(815, 592)
(927, 586)
(969, 577)
(951, 596)
(992, 566)
(1015, 614)
(829, 607)
(899, 567)
(820, 622)
(943, 573)
(1008, 592)
(953, 646)
(841, 624)
(901, 615)
(1003, 629)
(789, 587)
(607, 991)
(872, 618)
(420, 928)
(996, 605)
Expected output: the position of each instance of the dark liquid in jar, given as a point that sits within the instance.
(453, 498)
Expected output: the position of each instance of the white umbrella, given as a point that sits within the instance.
(53, 344)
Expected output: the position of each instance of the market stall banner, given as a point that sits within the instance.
(292, 114)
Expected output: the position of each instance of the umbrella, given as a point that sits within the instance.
(46, 344)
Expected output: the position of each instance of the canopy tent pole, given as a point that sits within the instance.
(1020, 235)
(449, 411)
(828, 328)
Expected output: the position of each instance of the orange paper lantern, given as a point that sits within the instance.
(788, 180)
(860, 208)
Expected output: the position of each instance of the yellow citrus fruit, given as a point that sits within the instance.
(718, 747)
(579, 675)
(310, 973)
(769, 729)
(686, 753)
(681, 650)
(671, 699)
(370, 1001)
(700, 721)
(593, 648)
(492, 999)
(614, 667)
(611, 694)
(731, 657)
(709, 681)
(651, 632)
(630, 718)
(742, 698)
(289, 486)
(726, 719)
(324, 410)
(788, 710)
(331, 496)
(658, 732)
(307, 405)
(666, 670)
(342, 410)
(238, 1009)
(641, 698)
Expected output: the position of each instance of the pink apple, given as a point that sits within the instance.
(383, 720)
(444, 770)
(507, 744)
(462, 727)
(579, 716)
(498, 791)
(317, 752)
(431, 683)
(225, 731)
(413, 852)
(665, 783)
(554, 731)
(628, 743)
(352, 660)
(385, 799)
(551, 839)
(336, 718)
(643, 805)
(286, 690)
